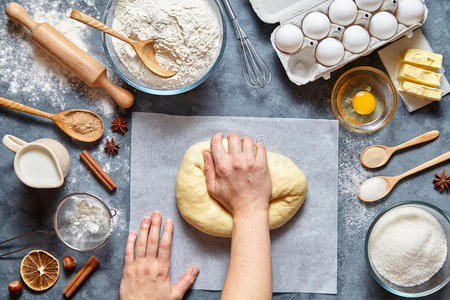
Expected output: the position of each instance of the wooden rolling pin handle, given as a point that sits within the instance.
(20, 107)
(122, 97)
(18, 14)
(90, 21)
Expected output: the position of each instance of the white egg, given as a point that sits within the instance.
(383, 25)
(355, 39)
(316, 25)
(342, 12)
(288, 38)
(329, 52)
(369, 5)
(410, 12)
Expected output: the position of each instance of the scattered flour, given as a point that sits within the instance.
(186, 35)
(32, 77)
(355, 215)
(120, 223)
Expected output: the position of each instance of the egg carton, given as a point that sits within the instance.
(302, 66)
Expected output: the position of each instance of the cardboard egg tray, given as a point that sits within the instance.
(302, 66)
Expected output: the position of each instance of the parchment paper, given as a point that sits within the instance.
(304, 250)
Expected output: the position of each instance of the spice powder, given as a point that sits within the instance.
(83, 123)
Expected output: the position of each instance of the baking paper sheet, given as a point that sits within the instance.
(390, 56)
(304, 251)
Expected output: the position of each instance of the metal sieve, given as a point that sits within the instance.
(81, 221)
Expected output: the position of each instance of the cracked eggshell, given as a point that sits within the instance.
(410, 12)
(316, 25)
(383, 25)
(329, 52)
(356, 39)
(369, 5)
(342, 12)
(288, 38)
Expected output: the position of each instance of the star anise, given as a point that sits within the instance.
(119, 124)
(442, 182)
(111, 147)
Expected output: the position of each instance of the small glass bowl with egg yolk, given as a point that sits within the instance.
(364, 99)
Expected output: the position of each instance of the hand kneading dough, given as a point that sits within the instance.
(199, 209)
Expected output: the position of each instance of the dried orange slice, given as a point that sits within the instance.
(39, 270)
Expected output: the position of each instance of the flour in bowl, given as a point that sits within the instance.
(187, 37)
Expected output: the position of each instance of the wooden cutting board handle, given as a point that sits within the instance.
(67, 53)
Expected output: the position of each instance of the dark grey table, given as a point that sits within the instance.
(24, 209)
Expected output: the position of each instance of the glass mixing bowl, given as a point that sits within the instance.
(380, 83)
(435, 283)
(132, 80)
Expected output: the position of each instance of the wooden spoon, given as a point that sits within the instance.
(391, 181)
(144, 49)
(378, 155)
(60, 119)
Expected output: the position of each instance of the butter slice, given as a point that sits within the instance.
(420, 90)
(422, 58)
(419, 75)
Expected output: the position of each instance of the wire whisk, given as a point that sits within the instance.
(254, 69)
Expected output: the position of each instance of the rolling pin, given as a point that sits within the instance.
(66, 52)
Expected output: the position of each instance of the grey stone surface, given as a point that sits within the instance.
(23, 209)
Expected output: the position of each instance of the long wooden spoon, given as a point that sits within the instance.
(376, 188)
(378, 155)
(144, 49)
(63, 120)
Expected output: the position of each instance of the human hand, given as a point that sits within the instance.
(239, 179)
(146, 273)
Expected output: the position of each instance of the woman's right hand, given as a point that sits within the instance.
(239, 179)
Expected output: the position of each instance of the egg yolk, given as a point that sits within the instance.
(363, 103)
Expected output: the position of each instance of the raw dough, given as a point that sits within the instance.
(199, 209)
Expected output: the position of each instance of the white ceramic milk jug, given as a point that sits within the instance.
(43, 163)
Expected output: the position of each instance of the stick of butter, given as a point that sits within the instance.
(419, 75)
(419, 90)
(422, 58)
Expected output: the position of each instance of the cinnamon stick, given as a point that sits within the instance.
(98, 171)
(83, 269)
(79, 278)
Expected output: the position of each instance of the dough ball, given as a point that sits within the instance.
(199, 209)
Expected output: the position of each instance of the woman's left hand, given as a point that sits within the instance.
(146, 273)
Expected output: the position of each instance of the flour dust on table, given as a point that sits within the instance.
(34, 75)
(186, 35)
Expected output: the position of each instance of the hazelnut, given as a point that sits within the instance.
(69, 263)
(15, 287)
